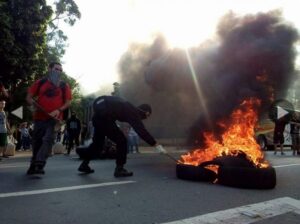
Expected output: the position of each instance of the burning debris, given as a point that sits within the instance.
(235, 160)
(238, 139)
(251, 63)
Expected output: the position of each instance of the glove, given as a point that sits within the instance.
(160, 149)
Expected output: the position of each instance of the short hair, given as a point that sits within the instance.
(51, 65)
(145, 108)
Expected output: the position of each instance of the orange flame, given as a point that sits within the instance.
(239, 137)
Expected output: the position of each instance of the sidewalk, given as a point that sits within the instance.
(22, 154)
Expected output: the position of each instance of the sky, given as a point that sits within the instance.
(102, 35)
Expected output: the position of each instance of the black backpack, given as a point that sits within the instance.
(62, 86)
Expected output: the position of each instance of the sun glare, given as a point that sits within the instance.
(180, 22)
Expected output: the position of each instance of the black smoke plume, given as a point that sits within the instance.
(253, 56)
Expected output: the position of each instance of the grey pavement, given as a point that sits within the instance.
(152, 195)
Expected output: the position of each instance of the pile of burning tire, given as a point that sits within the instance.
(234, 171)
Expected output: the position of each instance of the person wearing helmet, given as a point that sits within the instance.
(108, 110)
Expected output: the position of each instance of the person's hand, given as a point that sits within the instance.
(55, 114)
(160, 149)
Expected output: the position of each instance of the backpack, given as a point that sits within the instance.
(62, 86)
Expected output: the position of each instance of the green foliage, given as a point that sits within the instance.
(68, 12)
(22, 39)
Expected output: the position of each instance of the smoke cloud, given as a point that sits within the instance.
(190, 90)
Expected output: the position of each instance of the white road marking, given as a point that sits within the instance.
(287, 165)
(246, 214)
(4, 166)
(51, 190)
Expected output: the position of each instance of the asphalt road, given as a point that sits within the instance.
(152, 195)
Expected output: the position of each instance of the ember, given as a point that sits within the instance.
(238, 138)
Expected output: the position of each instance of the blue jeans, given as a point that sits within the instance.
(133, 142)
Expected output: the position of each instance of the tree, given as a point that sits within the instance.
(23, 43)
(68, 12)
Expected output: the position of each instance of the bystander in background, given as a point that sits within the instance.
(133, 141)
(295, 133)
(4, 129)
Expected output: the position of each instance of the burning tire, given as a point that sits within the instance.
(230, 161)
(234, 171)
(195, 173)
(245, 177)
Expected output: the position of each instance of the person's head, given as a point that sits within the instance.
(54, 72)
(73, 114)
(55, 66)
(144, 110)
(2, 104)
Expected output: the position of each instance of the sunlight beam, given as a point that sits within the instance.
(198, 89)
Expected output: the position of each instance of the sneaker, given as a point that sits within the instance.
(31, 170)
(282, 153)
(39, 171)
(5, 156)
(121, 172)
(84, 168)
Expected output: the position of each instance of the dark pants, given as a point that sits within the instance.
(104, 126)
(42, 141)
(73, 136)
(26, 143)
(295, 142)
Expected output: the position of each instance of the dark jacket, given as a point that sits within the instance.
(73, 125)
(117, 109)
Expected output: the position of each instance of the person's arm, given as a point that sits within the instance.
(67, 127)
(68, 98)
(140, 129)
(8, 128)
(31, 92)
(3, 90)
(57, 112)
(29, 98)
(79, 126)
(65, 106)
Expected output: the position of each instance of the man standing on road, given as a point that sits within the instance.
(278, 137)
(295, 133)
(73, 128)
(52, 97)
(108, 110)
(4, 129)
